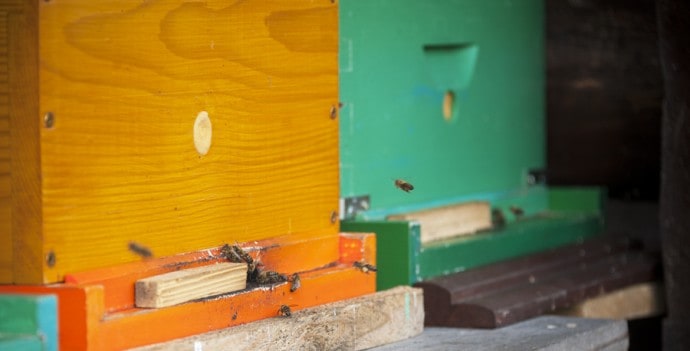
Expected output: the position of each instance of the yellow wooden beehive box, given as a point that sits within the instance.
(172, 124)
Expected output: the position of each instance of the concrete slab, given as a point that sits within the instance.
(548, 333)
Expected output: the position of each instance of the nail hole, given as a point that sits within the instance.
(50, 259)
(334, 217)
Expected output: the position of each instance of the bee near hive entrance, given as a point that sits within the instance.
(403, 185)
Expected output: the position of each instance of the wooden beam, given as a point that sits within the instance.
(449, 221)
(507, 292)
(190, 284)
(636, 301)
(353, 324)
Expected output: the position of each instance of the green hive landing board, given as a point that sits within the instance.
(573, 215)
(398, 58)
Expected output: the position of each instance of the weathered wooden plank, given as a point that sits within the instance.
(449, 221)
(512, 291)
(524, 269)
(636, 301)
(189, 284)
(564, 289)
(353, 324)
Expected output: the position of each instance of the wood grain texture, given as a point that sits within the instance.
(450, 221)
(126, 80)
(6, 273)
(353, 324)
(507, 292)
(636, 301)
(91, 319)
(24, 215)
(190, 284)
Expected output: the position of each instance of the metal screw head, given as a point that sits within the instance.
(49, 120)
(334, 216)
(334, 112)
(50, 259)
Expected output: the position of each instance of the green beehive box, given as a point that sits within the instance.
(449, 95)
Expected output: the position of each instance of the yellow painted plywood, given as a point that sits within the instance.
(125, 82)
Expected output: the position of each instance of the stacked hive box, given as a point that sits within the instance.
(449, 96)
(169, 127)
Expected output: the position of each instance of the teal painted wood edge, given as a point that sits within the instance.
(397, 250)
(21, 343)
(517, 239)
(29, 315)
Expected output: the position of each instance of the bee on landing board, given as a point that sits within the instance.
(364, 267)
(296, 282)
(403, 185)
(270, 278)
(285, 311)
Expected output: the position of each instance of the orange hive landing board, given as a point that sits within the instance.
(86, 324)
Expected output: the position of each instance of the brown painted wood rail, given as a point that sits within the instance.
(511, 291)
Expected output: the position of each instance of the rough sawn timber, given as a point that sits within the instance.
(354, 324)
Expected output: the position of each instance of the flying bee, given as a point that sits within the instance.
(296, 282)
(403, 185)
(285, 311)
(364, 267)
(517, 211)
(139, 249)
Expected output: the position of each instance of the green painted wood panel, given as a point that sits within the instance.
(397, 60)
